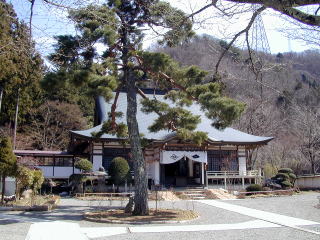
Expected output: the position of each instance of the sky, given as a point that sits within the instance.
(49, 21)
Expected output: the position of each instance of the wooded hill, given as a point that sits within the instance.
(282, 102)
(281, 93)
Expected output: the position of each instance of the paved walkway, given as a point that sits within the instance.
(262, 219)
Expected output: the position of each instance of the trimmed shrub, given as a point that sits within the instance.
(119, 170)
(254, 188)
(285, 170)
(83, 164)
(282, 176)
(292, 176)
(285, 178)
(286, 184)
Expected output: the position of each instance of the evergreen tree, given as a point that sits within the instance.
(119, 170)
(83, 164)
(8, 162)
(20, 66)
(124, 65)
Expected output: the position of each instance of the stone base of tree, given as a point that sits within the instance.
(159, 216)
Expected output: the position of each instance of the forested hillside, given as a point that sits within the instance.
(282, 102)
(281, 92)
(43, 112)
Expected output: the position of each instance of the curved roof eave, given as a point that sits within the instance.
(224, 136)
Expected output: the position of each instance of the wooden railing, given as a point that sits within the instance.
(232, 173)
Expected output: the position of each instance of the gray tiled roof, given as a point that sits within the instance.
(145, 120)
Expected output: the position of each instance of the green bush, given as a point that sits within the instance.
(285, 177)
(285, 170)
(282, 176)
(83, 164)
(254, 188)
(286, 184)
(37, 180)
(292, 176)
(119, 170)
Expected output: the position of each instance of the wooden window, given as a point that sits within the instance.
(224, 160)
(64, 161)
(45, 161)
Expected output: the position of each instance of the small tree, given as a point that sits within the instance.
(83, 164)
(37, 180)
(119, 170)
(8, 162)
(24, 179)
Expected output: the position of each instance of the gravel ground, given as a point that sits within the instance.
(300, 205)
(15, 225)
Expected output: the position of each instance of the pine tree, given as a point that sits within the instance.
(119, 26)
(8, 162)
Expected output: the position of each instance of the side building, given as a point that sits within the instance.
(170, 161)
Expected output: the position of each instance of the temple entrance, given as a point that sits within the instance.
(182, 168)
(182, 173)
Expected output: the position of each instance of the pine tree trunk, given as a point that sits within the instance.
(3, 188)
(140, 173)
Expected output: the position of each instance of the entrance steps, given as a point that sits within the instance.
(197, 193)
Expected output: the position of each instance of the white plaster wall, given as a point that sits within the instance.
(308, 182)
(10, 186)
(153, 170)
(242, 161)
(63, 172)
(96, 162)
(59, 172)
(156, 172)
(47, 171)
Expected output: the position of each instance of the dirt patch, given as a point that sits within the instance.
(159, 216)
(40, 203)
(221, 194)
(164, 196)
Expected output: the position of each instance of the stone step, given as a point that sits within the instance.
(200, 193)
(198, 198)
(195, 195)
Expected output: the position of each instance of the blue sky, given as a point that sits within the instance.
(49, 21)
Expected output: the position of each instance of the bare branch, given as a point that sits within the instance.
(254, 15)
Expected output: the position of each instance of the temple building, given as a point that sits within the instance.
(170, 161)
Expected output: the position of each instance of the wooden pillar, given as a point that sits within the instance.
(225, 180)
(202, 173)
(54, 163)
(242, 182)
(260, 176)
(206, 176)
(73, 164)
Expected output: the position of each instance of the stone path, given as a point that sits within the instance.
(263, 219)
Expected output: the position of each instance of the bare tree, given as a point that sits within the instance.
(306, 121)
